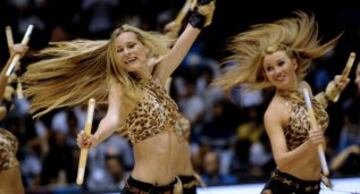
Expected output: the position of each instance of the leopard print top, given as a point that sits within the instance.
(152, 114)
(8, 149)
(184, 126)
(296, 129)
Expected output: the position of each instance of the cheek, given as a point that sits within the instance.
(268, 76)
(120, 56)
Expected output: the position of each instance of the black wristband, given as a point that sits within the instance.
(197, 20)
(203, 2)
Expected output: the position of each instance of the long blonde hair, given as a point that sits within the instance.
(75, 71)
(298, 36)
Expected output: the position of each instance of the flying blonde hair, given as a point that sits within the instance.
(298, 36)
(75, 71)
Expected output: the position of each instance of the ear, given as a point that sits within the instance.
(295, 63)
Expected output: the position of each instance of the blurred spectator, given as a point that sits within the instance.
(218, 133)
(347, 162)
(99, 16)
(59, 165)
(211, 174)
(111, 178)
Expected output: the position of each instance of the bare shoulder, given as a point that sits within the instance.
(277, 111)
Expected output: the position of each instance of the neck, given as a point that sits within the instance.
(294, 87)
(143, 74)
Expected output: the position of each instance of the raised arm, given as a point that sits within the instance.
(20, 49)
(199, 19)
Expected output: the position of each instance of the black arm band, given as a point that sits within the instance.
(203, 2)
(197, 20)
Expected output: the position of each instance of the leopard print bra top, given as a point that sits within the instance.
(297, 128)
(8, 148)
(152, 114)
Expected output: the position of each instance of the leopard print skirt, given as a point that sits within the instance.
(8, 149)
(283, 183)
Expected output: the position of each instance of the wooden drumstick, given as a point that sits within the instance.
(9, 37)
(181, 15)
(348, 66)
(193, 4)
(313, 124)
(19, 90)
(16, 58)
(335, 92)
(84, 151)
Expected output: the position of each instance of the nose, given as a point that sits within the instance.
(126, 51)
(277, 70)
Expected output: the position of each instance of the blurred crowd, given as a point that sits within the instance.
(228, 141)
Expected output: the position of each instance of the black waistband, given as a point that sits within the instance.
(294, 179)
(187, 178)
(150, 187)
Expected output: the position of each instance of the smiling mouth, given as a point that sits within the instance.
(280, 78)
(131, 60)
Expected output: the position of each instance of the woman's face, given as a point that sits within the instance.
(357, 78)
(132, 52)
(280, 70)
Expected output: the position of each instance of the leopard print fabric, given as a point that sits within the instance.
(298, 126)
(152, 114)
(183, 127)
(8, 149)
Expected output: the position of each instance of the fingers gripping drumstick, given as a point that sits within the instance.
(313, 124)
(16, 58)
(181, 15)
(10, 42)
(84, 151)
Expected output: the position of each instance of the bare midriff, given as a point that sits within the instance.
(308, 168)
(156, 159)
(184, 165)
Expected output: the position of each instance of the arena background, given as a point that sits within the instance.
(229, 148)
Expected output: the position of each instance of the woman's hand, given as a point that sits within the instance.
(340, 82)
(335, 87)
(85, 141)
(207, 9)
(20, 49)
(316, 137)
